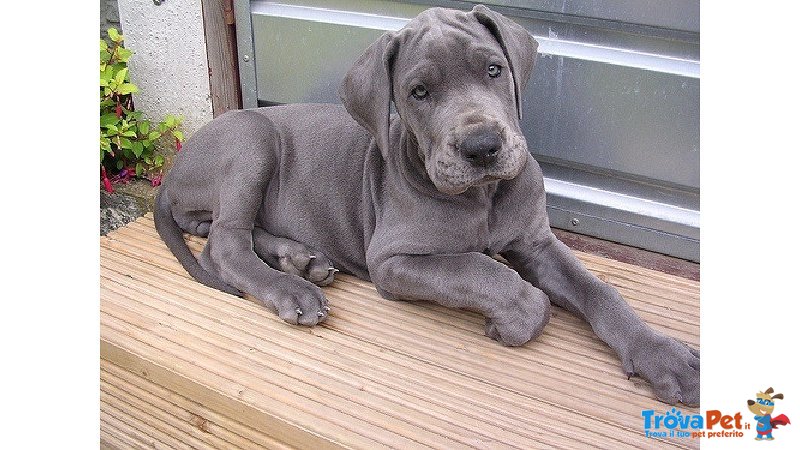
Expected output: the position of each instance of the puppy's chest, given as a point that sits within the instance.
(431, 226)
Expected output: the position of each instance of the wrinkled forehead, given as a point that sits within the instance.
(440, 43)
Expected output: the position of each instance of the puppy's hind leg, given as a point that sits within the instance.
(230, 251)
(293, 257)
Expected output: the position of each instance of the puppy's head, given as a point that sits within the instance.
(456, 79)
(764, 403)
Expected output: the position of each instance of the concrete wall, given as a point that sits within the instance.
(169, 62)
(109, 16)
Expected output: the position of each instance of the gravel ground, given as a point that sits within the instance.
(117, 210)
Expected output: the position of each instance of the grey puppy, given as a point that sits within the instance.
(417, 202)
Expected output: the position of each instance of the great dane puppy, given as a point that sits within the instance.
(417, 202)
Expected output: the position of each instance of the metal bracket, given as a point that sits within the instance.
(247, 62)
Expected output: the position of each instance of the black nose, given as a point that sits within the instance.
(480, 147)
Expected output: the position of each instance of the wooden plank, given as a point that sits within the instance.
(227, 396)
(325, 370)
(386, 415)
(223, 66)
(155, 422)
(188, 410)
(195, 429)
(114, 438)
(128, 430)
(614, 363)
(365, 359)
(377, 372)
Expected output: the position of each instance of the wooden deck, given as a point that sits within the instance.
(183, 365)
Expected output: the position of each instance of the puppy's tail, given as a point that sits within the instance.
(172, 235)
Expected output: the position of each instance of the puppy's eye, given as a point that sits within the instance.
(419, 92)
(494, 70)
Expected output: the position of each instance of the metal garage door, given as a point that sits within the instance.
(612, 113)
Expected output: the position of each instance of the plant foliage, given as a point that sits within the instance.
(128, 142)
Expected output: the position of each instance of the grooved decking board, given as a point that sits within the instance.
(185, 366)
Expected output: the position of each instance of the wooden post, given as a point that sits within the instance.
(223, 65)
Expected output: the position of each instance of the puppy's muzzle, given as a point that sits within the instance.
(480, 146)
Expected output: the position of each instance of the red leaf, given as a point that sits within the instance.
(178, 145)
(119, 110)
(156, 181)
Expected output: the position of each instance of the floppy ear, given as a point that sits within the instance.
(768, 391)
(780, 396)
(518, 45)
(367, 88)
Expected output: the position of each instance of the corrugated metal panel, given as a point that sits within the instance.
(613, 105)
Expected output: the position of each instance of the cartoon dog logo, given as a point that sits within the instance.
(762, 407)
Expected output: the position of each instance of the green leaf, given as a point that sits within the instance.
(107, 73)
(125, 143)
(120, 76)
(103, 44)
(153, 135)
(105, 145)
(114, 35)
(148, 160)
(120, 165)
(112, 129)
(129, 133)
(178, 135)
(159, 161)
(144, 128)
(137, 148)
(104, 57)
(169, 121)
(127, 88)
(108, 119)
(123, 54)
(139, 169)
(119, 66)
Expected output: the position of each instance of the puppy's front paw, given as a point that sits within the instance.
(297, 302)
(672, 367)
(520, 321)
